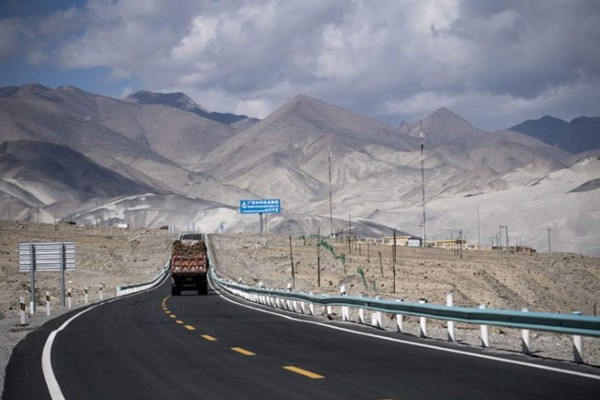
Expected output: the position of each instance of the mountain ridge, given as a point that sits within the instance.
(582, 134)
(183, 102)
(200, 169)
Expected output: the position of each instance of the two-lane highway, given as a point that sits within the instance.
(153, 346)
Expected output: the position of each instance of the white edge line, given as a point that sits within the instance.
(424, 345)
(49, 377)
(51, 382)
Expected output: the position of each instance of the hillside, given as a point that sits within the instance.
(178, 168)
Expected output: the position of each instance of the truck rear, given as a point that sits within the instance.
(189, 264)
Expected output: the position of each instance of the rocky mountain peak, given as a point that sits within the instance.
(441, 126)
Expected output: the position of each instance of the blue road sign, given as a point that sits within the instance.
(260, 206)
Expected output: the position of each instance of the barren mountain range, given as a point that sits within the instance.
(161, 159)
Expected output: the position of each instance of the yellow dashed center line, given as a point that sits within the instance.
(304, 372)
(240, 350)
(243, 351)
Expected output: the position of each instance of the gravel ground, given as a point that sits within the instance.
(545, 283)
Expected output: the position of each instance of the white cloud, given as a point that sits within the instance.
(202, 34)
(393, 59)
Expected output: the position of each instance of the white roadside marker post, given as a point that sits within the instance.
(422, 322)
(525, 342)
(69, 299)
(329, 311)
(400, 321)
(345, 309)
(578, 349)
(485, 338)
(100, 289)
(361, 316)
(377, 319)
(22, 310)
(47, 303)
(86, 298)
(450, 303)
(577, 345)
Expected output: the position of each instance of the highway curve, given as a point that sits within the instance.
(154, 346)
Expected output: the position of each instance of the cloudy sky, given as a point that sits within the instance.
(496, 63)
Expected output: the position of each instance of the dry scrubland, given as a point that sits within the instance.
(558, 283)
(104, 256)
(111, 257)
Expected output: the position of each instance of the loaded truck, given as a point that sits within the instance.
(189, 264)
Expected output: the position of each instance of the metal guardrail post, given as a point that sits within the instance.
(377, 319)
(577, 345)
(422, 323)
(399, 321)
(450, 303)
(578, 349)
(361, 316)
(485, 338)
(525, 342)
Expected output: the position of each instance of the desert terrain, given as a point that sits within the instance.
(106, 256)
(109, 256)
(556, 283)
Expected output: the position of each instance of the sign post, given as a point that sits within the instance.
(32, 269)
(260, 207)
(41, 257)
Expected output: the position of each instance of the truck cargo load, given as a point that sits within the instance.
(189, 264)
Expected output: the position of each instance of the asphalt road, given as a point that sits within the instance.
(154, 346)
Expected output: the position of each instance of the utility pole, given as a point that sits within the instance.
(478, 229)
(422, 137)
(349, 234)
(330, 199)
(506, 230)
(394, 263)
(319, 257)
(549, 248)
(292, 259)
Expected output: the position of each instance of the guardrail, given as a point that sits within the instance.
(159, 279)
(560, 323)
(305, 303)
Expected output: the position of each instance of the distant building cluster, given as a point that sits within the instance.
(447, 244)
